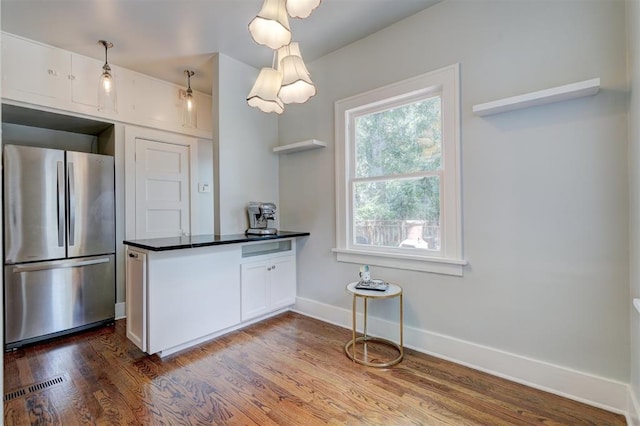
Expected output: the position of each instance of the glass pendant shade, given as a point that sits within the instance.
(106, 84)
(264, 94)
(189, 116)
(271, 26)
(189, 108)
(296, 86)
(301, 8)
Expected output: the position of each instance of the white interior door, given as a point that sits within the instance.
(162, 196)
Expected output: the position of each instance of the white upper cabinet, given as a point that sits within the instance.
(85, 73)
(38, 74)
(152, 99)
(33, 71)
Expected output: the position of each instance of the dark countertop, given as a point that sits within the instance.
(177, 243)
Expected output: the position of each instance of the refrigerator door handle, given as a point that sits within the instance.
(58, 265)
(72, 206)
(60, 201)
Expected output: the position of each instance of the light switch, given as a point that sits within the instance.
(204, 187)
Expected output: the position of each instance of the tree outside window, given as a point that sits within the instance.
(396, 187)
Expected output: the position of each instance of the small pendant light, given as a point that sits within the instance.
(264, 94)
(296, 86)
(189, 115)
(106, 87)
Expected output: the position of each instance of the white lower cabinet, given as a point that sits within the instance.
(179, 298)
(267, 285)
(192, 293)
(267, 281)
(255, 289)
(136, 288)
(282, 280)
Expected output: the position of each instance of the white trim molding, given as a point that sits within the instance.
(436, 265)
(120, 310)
(131, 134)
(590, 389)
(447, 259)
(633, 410)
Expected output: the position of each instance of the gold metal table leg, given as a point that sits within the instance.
(365, 339)
(353, 328)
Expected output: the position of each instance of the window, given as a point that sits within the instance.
(398, 175)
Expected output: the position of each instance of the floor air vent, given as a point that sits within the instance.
(14, 395)
(36, 387)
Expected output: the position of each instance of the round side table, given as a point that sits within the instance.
(350, 347)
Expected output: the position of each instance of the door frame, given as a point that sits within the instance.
(131, 133)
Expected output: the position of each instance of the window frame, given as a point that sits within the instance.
(444, 82)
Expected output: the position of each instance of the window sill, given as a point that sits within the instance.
(414, 263)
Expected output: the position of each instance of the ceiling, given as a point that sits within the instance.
(162, 38)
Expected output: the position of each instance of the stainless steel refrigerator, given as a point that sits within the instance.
(59, 242)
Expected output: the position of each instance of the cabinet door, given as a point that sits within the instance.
(85, 73)
(282, 279)
(154, 101)
(136, 287)
(254, 282)
(34, 72)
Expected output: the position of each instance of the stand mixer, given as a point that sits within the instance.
(259, 216)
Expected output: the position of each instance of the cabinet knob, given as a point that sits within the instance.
(273, 267)
(268, 269)
(72, 77)
(52, 72)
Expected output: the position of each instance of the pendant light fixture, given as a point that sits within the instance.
(106, 87)
(301, 8)
(296, 87)
(288, 80)
(189, 112)
(264, 94)
(271, 26)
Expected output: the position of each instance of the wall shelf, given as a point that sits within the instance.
(636, 303)
(299, 146)
(542, 97)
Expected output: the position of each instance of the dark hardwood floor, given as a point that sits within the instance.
(288, 370)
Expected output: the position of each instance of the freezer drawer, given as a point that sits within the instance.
(52, 297)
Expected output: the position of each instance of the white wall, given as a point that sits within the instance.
(204, 200)
(545, 199)
(633, 35)
(247, 168)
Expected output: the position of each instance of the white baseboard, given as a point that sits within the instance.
(120, 310)
(598, 391)
(633, 416)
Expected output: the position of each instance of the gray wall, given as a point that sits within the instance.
(48, 138)
(244, 136)
(545, 196)
(204, 200)
(633, 21)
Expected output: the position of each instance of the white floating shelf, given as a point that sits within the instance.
(542, 97)
(299, 146)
